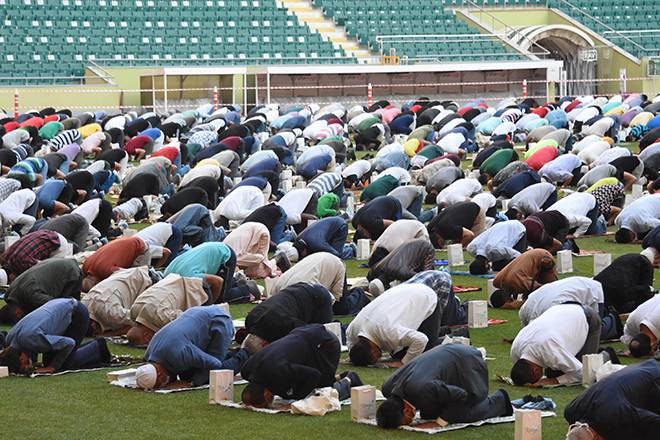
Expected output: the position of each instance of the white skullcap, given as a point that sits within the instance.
(3, 277)
(145, 376)
(287, 248)
(650, 253)
(579, 431)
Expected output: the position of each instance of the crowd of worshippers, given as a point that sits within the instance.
(232, 197)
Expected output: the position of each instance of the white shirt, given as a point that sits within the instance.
(400, 232)
(402, 175)
(642, 215)
(116, 122)
(608, 156)
(584, 143)
(648, 313)
(459, 191)
(553, 339)
(156, 234)
(451, 142)
(294, 203)
(582, 290)
(561, 168)
(529, 200)
(358, 168)
(391, 148)
(239, 203)
(392, 319)
(206, 170)
(496, 243)
(600, 127)
(591, 153)
(575, 208)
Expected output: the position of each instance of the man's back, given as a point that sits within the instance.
(296, 364)
(625, 405)
(423, 381)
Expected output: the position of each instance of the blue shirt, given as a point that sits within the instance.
(313, 165)
(207, 258)
(517, 183)
(41, 330)
(195, 343)
(326, 235)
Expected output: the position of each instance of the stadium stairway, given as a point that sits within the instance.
(313, 17)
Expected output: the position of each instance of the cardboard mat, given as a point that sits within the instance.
(432, 427)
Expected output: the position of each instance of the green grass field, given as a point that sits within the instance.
(84, 406)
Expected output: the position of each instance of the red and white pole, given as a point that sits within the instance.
(524, 88)
(216, 99)
(16, 113)
(370, 95)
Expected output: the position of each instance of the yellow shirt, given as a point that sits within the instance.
(411, 146)
(89, 130)
(641, 119)
(605, 181)
(207, 162)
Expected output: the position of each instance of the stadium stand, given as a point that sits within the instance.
(365, 20)
(59, 36)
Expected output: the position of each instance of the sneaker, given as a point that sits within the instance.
(105, 354)
(508, 406)
(239, 277)
(376, 287)
(253, 288)
(609, 355)
(282, 262)
(354, 378)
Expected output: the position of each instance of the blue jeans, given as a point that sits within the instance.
(174, 243)
(278, 235)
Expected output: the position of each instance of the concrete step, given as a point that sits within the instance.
(313, 17)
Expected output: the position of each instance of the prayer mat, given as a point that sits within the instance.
(507, 380)
(432, 427)
(116, 362)
(490, 322)
(129, 382)
(465, 273)
(281, 406)
(465, 289)
(585, 253)
(441, 262)
(384, 363)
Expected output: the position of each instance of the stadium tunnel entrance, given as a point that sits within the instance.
(568, 44)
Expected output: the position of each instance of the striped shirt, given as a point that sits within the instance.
(325, 183)
(63, 139)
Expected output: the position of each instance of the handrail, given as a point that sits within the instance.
(511, 31)
(609, 28)
(105, 75)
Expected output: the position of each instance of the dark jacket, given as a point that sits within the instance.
(627, 282)
(404, 262)
(625, 405)
(294, 306)
(442, 381)
(293, 366)
(52, 278)
(326, 235)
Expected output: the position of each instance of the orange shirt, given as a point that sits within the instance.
(118, 254)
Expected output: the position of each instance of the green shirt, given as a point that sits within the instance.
(50, 130)
(497, 161)
(382, 186)
(327, 204)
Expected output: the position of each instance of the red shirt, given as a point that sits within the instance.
(11, 126)
(541, 111)
(541, 157)
(170, 153)
(33, 122)
(109, 258)
(51, 118)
